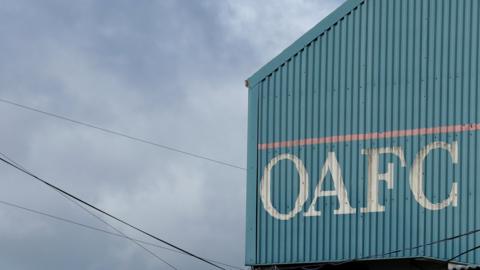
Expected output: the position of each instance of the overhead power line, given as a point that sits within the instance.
(102, 220)
(68, 194)
(407, 249)
(121, 134)
(421, 246)
(426, 245)
(121, 233)
(93, 228)
(463, 253)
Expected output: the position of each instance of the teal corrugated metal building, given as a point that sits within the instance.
(364, 138)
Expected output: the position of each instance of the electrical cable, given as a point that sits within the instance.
(425, 245)
(85, 226)
(103, 221)
(429, 244)
(463, 253)
(18, 167)
(401, 250)
(121, 233)
(121, 134)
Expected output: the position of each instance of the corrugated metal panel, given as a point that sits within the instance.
(396, 74)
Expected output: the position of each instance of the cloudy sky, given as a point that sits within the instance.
(168, 71)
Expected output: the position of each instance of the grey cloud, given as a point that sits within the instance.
(168, 71)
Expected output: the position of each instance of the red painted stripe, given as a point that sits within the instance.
(371, 136)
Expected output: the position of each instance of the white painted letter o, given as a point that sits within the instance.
(265, 187)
